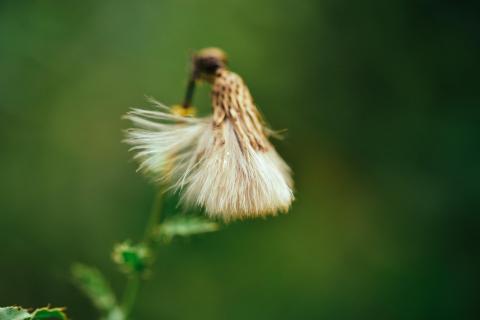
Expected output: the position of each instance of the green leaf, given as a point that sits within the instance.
(185, 226)
(46, 313)
(115, 314)
(95, 287)
(14, 313)
(131, 258)
(49, 314)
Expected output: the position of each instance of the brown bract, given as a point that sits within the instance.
(231, 100)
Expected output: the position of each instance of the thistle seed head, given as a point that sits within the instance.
(223, 163)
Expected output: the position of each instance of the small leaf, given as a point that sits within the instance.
(49, 314)
(46, 313)
(14, 313)
(95, 287)
(115, 314)
(131, 258)
(185, 226)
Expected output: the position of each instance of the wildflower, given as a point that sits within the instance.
(223, 163)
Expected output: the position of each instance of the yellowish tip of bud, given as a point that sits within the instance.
(180, 110)
(212, 52)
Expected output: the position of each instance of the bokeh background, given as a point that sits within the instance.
(381, 102)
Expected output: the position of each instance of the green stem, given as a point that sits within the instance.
(154, 218)
(134, 281)
(130, 295)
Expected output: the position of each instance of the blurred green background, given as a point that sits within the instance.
(381, 102)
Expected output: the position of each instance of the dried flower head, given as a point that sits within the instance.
(224, 162)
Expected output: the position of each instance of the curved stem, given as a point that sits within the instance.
(134, 281)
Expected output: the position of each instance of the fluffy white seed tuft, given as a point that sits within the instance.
(229, 180)
(223, 163)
